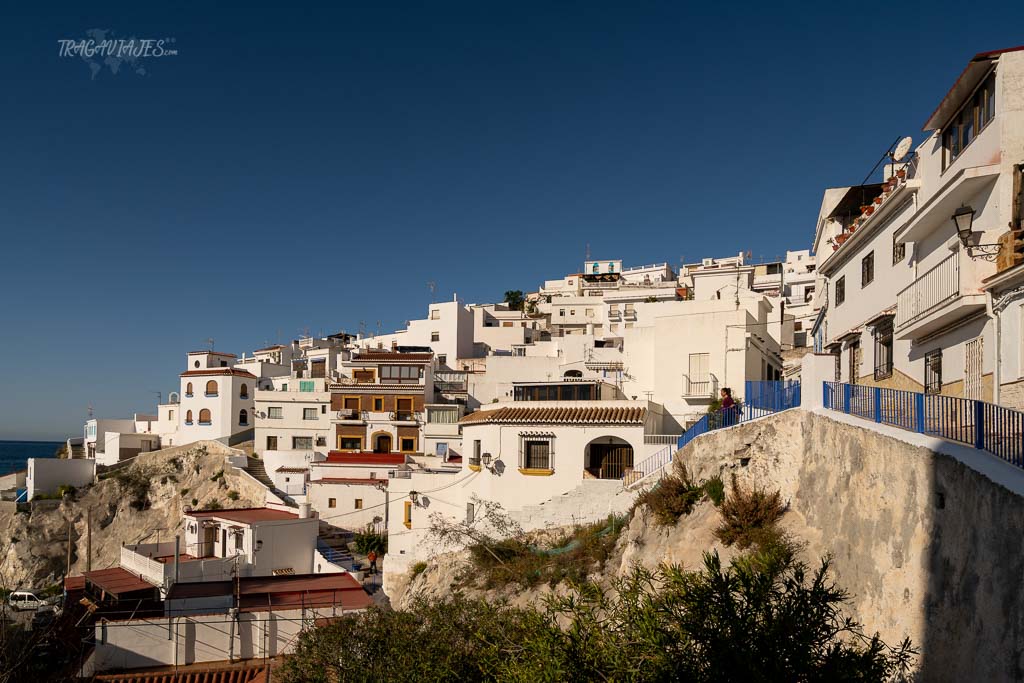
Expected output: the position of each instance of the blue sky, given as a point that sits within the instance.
(310, 167)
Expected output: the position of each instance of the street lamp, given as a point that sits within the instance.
(414, 496)
(486, 460)
(963, 218)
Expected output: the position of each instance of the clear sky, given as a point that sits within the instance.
(311, 167)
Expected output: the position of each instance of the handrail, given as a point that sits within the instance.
(985, 426)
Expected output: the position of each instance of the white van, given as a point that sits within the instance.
(25, 600)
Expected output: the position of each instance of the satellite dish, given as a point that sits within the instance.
(902, 147)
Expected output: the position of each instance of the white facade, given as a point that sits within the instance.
(217, 400)
(46, 475)
(293, 414)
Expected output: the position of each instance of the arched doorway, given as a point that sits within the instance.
(609, 457)
(382, 443)
(573, 374)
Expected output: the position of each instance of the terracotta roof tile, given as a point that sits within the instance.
(581, 415)
(342, 480)
(246, 515)
(218, 371)
(363, 458)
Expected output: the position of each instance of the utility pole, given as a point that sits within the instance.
(67, 571)
(88, 540)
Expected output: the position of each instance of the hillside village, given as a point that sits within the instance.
(897, 329)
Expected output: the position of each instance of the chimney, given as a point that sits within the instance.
(303, 510)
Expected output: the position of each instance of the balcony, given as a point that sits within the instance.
(350, 415)
(702, 388)
(934, 300)
(405, 416)
(614, 315)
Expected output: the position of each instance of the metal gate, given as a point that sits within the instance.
(615, 460)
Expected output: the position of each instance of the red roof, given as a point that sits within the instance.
(260, 593)
(74, 583)
(218, 371)
(342, 480)
(205, 672)
(117, 581)
(370, 355)
(245, 515)
(364, 458)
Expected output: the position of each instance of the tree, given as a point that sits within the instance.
(753, 621)
(514, 298)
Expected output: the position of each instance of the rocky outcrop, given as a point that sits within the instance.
(34, 544)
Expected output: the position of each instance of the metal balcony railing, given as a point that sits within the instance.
(936, 287)
(702, 387)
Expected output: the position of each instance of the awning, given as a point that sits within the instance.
(856, 197)
(882, 317)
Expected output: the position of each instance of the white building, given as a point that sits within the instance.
(907, 304)
(292, 414)
(217, 400)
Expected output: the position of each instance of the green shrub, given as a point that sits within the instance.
(417, 569)
(184, 492)
(214, 505)
(134, 484)
(749, 517)
(785, 623)
(368, 540)
(233, 495)
(715, 488)
(195, 502)
(219, 474)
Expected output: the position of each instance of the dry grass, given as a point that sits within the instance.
(749, 517)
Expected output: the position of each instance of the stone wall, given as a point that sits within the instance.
(927, 546)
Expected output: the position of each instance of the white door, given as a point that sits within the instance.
(972, 368)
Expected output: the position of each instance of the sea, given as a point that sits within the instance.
(14, 455)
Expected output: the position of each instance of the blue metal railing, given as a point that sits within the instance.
(335, 556)
(986, 426)
(763, 398)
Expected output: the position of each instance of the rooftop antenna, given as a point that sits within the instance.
(159, 397)
(586, 254)
(379, 327)
(88, 410)
(362, 328)
(209, 340)
(432, 286)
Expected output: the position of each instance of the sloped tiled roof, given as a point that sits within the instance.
(621, 415)
(362, 458)
(207, 672)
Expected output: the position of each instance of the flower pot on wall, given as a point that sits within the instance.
(901, 174)
(868, 210)
(878, 200)
(842, 237)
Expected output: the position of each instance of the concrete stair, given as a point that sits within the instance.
(258, 471)
(591, 501)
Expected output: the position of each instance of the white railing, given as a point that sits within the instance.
(148, 569)
(702, 388)
(937, 286)
(649, 466)
(660, 439)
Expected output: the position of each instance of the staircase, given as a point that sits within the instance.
(77, 452)
(591, 501)
(335, 552)
(258, 471)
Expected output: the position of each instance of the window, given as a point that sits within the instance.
(867, 269)
(435, 336)
(977, 112)
(352, 403)
(441, 449)
(307, 385)
(302, 443)
(205, 417)
(933, 372)
(840, 291)
(309, 413)
(188, 417)
(378, 404)
(408, 444)
(350, 443)
(359, 504)
(899, 250)
(243, 417)
(211, 388)
(589, 312)
(284, 386)
(271, 443)
(507, 323)
(883, 350)
(536, 453)
(188, 389)
(274, 413)
(407, 515)
(401, 373)
(323, 408)
(321, 441)
(243, 391)
(196, 364)
(470, 513)
(561, 312)
(474, 459)
(572, 311)
(435, 314)
(363, 376)
(170, 415)
(332, 502)
(442, 359)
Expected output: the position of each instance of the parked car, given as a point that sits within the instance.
(27, 600)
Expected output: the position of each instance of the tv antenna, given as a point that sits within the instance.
(362, 328)
(432, 286)
(379, 326)
(88, 410)
(209, 341)
(586, 254)
(159, 397)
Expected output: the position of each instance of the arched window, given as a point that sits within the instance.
(573, 373)
(596, 268)
(204, 416)
(188, 417)
(188, 389)
(243, 392)
(211, 388)
(243, 417)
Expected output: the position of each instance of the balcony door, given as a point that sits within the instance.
(973, 369)
(403, 408)
(382, 444)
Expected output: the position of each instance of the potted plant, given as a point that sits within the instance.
(868, 210)
(842, 237)
(901, 174)
(878, 200)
